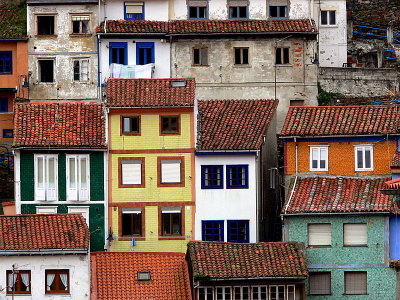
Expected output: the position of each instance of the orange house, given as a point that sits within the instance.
(340, 140)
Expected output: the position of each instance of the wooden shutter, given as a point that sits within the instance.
(170, 171)
(131, 172)
(355, 283)
(355, 234)
(319, 234)
(320, 283)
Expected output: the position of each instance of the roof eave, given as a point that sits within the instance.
(44, 251)
(330, 136)
(100, 148)
(337, 213)
(260, 278)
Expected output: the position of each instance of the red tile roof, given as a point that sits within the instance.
(396, 160)
(149, 92)
(391, 187)
(51, 124)
(234, 124)
(43, 232)
(316, 195)
(220, 260)
(188, 27)
(114, 276)
(341, 120)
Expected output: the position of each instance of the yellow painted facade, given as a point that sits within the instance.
(151, 197)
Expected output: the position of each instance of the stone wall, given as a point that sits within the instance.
(359, 82)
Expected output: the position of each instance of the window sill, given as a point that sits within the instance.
(130, 186)
(18, 294)
(284, 65)
(171, 184)
(80, 34)
(171, 237)
(322, 246)
(242, 66)
(47, 83)
(137, 238)
(212, 188)
(6, 73)
(278, 18)
(355, 246)
(80, 82)
(131, 134)
(46, 35)
(355, 294)
(364, 170)
(170, 133)
(319, 294)
(318, 170)
(329, 26)
(204, 66)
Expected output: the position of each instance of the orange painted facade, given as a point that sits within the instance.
(14, 81)
(341, 157)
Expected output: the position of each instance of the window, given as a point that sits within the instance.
(80, 24)
(18, 282)
(355, 235)
(212, 177)
(241, 292)
(296, 102)
(132, 222)
(197, 12)
(45, 25)
(205, 293)
(200, 56)
(223, 293)
(278, 12)
(238, 231)
(144, 53)
(237, 176)
(171, 221)
(143, 275)
(282, 56)
(118, 53)
(328, 17)
(57, 281)
(81, 70)
(46, 70)
(83, 210)
(46, 210)
(131, 172)
(241, 56)
(291, 292)
(364, 158)
(277, 292)
(5, 62)
(319, 235)
(238, 12)
(355, 283)
(78, 177)
(171, 171)
(130, 125)
(213, 230)
(8, 133)
(319, 158)
(320, 283)
(134, 11)
(169, 124)
(259, 292)
(3, 105)
(46, 181)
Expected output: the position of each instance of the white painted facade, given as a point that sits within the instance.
(154, 10)
(77, 264)
(227, 204)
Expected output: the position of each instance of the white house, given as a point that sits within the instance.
(44, 257)
(234, 161)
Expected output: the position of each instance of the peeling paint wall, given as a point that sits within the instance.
(63, 47)
(222, 79)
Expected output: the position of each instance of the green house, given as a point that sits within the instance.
(60, 161)
(344, 224)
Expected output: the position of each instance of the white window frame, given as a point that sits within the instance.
(83, 210)
(287, 292)
(82, 17)
(360, 240)
(363, 148)
(81, 72)
(328, 18)
(319, 149)
(224, 289)
(46, 193)
(319, 244)
(259, 287)
(205, 288)
(270, 287)
(78, 193)
(46, 210)
(241, 287)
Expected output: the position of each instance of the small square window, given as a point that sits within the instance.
(200, 56)
(131, 222)
(57, 281)
(171, 221)
(130, 125)
(171, 171)
(320, 283)
(212, 177)
(18, 282)
(278, 12)
(319, 235)
(296, 102)
(364, 158)
(355, 283)
(241, 56)
(81, 70)
(238, 231)
(355, 235)
(5, 62)
(134, 10)
(46, 70)
(169, 124)
(319, 158)
(197, 12)
(144, 275)
(328, 17)
(238, 12)
(237, 176)
(3, 105)
(80, 24)
(282, 56)
(8, 133)
(45, 25)
(213, 230)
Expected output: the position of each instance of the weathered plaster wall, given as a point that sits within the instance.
(63, 48)
(358, 82)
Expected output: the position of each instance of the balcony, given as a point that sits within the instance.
(132, 71)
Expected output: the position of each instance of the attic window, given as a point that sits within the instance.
(143, 276)
(178, 83)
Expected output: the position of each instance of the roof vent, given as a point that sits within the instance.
(143, 276)
(178, 83)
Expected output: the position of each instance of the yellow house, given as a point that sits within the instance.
(151, 163)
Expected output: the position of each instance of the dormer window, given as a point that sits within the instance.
(143, 276)
(134, 11)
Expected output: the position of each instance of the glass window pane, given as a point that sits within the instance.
(332, 17)
(83, 166)
(324, 17)
(359, 158)
(367, 158)
(51, 175)
(72, 172)
(40, 172)
(126, 125)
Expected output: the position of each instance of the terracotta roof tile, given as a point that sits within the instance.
(150, 92)
(234, 124)
(74, 125)
(396, 160)
(208, 26)
(338, 195)
(221, 260)
(341, 120)
(114, 276)
(391, 187)
(34, 232)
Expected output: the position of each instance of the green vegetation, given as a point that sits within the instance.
(325, 98)
(12, 19)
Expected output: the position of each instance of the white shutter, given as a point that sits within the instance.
(72, 178)
(355, 234)
(132, 210)
(131, 172)
(170, 171)
(40, 187)
(171, 210)
(51, 177)
(319, 234)
(84, 177)
(134, 8)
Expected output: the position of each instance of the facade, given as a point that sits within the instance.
(62, 50)
(272, 271)
(54, 264)
(60, 165)
(139, 275)
(151, 178)
(236, 150)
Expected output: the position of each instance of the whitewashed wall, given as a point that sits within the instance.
(155, 10)
(226, 204)
(79, 275)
